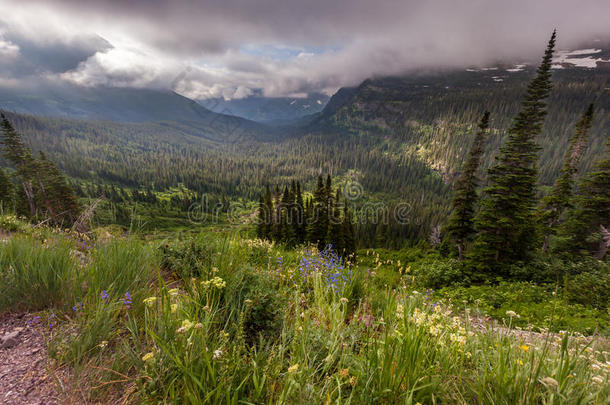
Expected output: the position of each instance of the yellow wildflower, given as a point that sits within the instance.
(524, 348)
(150, 301)
(148, 356)
(293, 369)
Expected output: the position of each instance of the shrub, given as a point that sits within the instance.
(589, 288)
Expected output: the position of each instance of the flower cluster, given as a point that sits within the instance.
(329, 265)
(127, 300)
(216, 282)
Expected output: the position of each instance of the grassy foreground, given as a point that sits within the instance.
(219, 318)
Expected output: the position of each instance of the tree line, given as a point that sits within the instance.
(322, 219)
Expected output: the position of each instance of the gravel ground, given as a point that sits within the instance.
(24, 375)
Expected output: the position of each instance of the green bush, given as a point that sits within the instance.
(591, 288)
(440, 273)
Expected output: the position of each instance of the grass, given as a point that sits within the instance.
(219, 318)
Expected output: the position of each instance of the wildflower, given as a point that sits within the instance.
(595, 367)
(198, 325)
(352, 381)
(248, 302)
(344, 372)
(598, 379)
(217, 354)
(512, 314)
(77, 307)
(150, 301)
(148, 356)
(186, 326)
(173, 308)
(104, 295)
(127, 300)
(103, 344)
(293, 369)
(343, 300)
(524, 348)
(173, 292)
(550, 382)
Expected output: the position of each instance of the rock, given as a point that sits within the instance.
(9, 340)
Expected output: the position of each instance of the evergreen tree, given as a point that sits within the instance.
(461, 221)
(348, 234)
(18, 154)
(588, 223)
(300, 215)
(261, 217)
(6, 191)
(318, 226)
(505, 229)
(558, 200)
(335, 226)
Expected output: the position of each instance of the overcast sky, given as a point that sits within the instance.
(228, 48)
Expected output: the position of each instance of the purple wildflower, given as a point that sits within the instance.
(104, 295)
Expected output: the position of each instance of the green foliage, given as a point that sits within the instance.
(542, 306)
(590, 288)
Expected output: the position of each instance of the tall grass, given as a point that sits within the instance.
(35, 275)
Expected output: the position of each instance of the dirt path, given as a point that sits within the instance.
(24, 375)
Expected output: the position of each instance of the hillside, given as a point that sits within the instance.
(431, 115)
(129, 105)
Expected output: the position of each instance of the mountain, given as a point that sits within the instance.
(129, 105)
(268, 109)
(431, 115)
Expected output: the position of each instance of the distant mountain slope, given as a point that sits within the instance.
(268, 109)
(130, 105)
(432, 115)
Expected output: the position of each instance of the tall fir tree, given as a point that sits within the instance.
(461, 221)
(558, 200)
(505, 228)
(587, 228)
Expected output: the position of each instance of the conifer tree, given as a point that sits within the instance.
(6, 191)
(335, 226)
(505, 229)
(461, 221)
(588, 223)
(558, 200)
(318, 226)
(262, 216)
(348, 234)
(300, 215)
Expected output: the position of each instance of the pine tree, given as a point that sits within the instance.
(504, 223)
(318, 226)
(348, 233)
(558, 200)
(261, 217)
(18, 154)
(588, 223)
(300, 215)
(461, 221)
(6, 191)
(335, 226)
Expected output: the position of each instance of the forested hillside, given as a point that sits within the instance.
(400, 140)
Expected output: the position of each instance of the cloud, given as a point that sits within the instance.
(232, 48)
